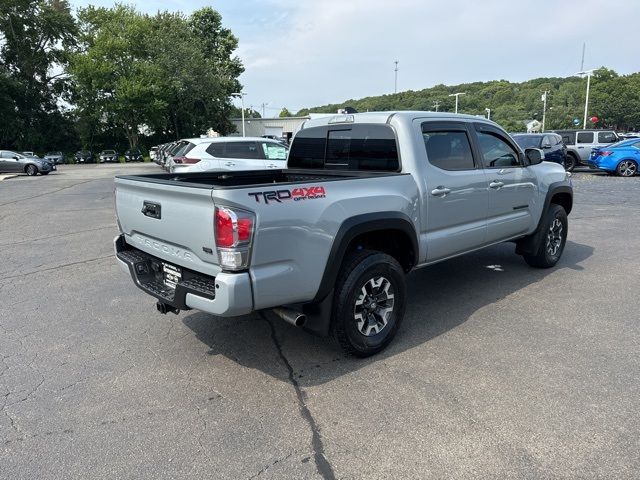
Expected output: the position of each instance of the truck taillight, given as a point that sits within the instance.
(233, 229)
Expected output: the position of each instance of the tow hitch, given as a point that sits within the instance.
(164, 308)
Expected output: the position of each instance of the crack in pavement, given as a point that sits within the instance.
(56, 236)
(272, 464)
(57, 267)
(322, 464)
(46, 193)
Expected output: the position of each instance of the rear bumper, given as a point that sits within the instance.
(225, 295)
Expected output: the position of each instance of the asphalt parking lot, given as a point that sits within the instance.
(499, 370)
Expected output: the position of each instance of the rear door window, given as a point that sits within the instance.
(448, 150)
(584, 137)
(247, 150)
(607, 137)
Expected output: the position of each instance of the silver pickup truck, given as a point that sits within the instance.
(327, 243)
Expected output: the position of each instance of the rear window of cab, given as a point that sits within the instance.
(345, 147)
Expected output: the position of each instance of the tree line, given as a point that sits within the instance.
(614, 100)
(112, 77)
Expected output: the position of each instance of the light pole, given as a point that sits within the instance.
(457, 95)
(488, 110)
(241, 95)
(544, 108)
(436, 104)
(588, 73)
(395, 89)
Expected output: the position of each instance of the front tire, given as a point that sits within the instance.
(31, 170)
(555, 227)
(627, 168)
(369, 303)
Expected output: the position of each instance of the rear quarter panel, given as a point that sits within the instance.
(293, 238)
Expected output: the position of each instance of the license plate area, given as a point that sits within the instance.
(171, 275)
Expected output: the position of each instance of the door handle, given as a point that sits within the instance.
(229, 164)
(496, 185)
(440, 191)
(272, 165)
(505, 171)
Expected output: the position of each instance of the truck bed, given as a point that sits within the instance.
(252, 178)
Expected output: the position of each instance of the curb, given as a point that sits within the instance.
(5, 177)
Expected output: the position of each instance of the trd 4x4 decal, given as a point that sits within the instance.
(297, 194)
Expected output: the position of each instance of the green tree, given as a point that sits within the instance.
(35, 38)
(285, 113)
(167, 75)
(614, 99)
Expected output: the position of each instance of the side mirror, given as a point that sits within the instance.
(534, 156)
(546, 146)
(15, 157)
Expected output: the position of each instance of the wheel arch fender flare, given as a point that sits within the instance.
(352, 228)
(529, 243)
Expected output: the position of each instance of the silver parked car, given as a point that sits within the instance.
(14, 162)
(54, 157)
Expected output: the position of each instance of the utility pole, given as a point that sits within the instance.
(457, 95)
(584, 47)
(544, 108)
(588, 73)
(436, 104)
(263, 106)
(241, 95)
(395, 90)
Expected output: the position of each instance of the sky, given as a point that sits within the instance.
(305, 53)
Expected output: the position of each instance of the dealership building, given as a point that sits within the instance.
(278, 127)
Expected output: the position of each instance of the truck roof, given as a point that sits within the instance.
(385, 117)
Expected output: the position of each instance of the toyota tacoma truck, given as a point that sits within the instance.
(327, 242)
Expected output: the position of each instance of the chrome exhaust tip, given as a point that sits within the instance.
(290, 316)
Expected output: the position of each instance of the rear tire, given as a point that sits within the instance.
(555, 227)
(570, 162)
(627, 168)
(369, 302)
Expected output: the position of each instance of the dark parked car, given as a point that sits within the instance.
(133, 155)
(13, 162)
(108, 156)
(54, 157)
(550, 143)
(84, 156)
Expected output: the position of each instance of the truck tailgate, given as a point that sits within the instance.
(177, 226)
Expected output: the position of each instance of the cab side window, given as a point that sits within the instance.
(584, 137)
(448, 150)
(497, 153)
